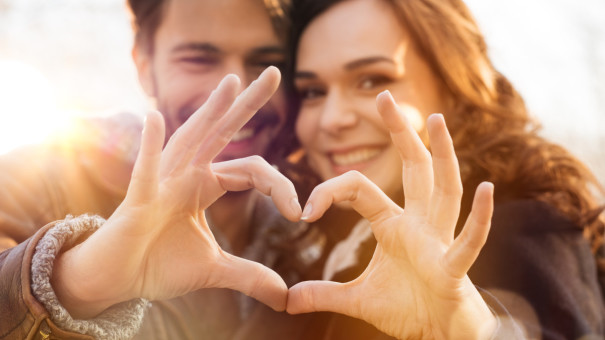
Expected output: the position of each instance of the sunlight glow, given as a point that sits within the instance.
(28, 110)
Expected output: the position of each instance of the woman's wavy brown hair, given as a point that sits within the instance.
(494, 137)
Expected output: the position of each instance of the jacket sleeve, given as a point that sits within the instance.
(28, 201)
(44, 183)
(21, 315)
(539, 266)
(33, 311)
(40, 184)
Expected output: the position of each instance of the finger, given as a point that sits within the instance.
(417, 165)
(185, 142)
(466, 247)
(447, 195)
(144, 181)
(321, 296)
(244, 107)
(364, 196)
(252, 279)
(255, 172)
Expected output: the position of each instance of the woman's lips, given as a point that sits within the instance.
(354, 159)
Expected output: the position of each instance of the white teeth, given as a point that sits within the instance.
(242, 134)
(354, 157)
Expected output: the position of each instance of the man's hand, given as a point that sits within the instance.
(157, 244)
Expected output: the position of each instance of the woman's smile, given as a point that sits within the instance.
(355, 158)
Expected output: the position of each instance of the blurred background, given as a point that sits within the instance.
(65, 58)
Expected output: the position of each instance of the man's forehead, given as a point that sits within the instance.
(225, 23)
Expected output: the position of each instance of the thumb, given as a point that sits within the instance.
(321, 296)
(254, 280)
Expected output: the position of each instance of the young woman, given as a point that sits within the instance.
(538, 262)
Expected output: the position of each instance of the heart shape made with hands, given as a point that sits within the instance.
(158, 244)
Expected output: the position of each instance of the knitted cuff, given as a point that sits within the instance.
(121, 321)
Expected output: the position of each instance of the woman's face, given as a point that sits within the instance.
(347, 56)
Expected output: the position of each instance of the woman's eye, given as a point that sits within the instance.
(371, 83)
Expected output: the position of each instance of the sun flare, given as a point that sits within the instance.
(28, 109)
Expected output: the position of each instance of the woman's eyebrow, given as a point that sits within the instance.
(365, 61)
(348, 66)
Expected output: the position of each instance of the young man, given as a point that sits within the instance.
(183, 48)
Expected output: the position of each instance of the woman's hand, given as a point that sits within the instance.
(416, 285)
(157, 244)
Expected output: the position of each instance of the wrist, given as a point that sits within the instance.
(57, 277)
(117, 322)
(472, 320)
(72, 288)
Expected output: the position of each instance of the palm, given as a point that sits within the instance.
(406, 278)
(415, 286)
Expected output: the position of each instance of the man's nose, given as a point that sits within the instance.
(238, 67)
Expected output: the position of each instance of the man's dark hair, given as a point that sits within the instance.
(147, 16)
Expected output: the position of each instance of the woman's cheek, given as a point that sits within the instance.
(305, 129)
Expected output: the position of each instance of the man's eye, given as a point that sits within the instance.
(280, 64)
(199, 60)
(311, 93)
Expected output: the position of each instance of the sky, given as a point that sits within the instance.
(64, 58)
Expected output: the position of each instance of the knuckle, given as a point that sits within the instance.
(256, 162)
(250, 105)
(257, 283)
(458, 190)
(473, 241)
(355, 176)
(257, 159)
(454, 189)
(308, 298)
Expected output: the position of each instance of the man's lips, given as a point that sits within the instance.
(243, 134)
(262, 120)
(252, 138)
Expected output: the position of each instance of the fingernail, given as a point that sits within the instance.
(383, 93)
(437, 116)
(307, 212)
(295, 206)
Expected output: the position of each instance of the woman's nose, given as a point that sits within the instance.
(338, 113)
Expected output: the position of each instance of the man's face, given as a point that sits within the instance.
(199, 42)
